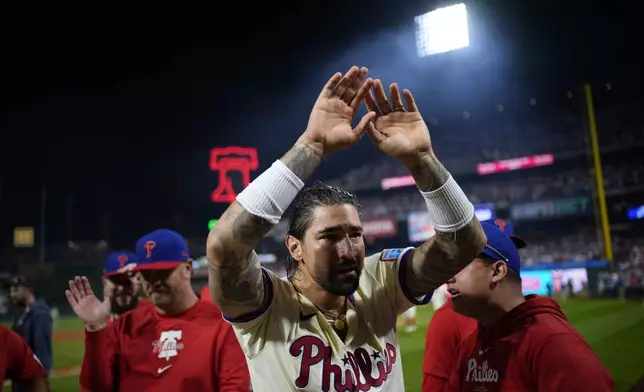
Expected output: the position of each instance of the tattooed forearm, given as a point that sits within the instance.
(428, 172)
(235, 276)
(443, 256)
(301, 160)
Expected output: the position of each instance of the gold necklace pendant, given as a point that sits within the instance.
(338, 324)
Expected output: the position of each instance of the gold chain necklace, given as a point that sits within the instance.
(337, 318)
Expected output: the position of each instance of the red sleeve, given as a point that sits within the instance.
(565, 362)
(441, 343)
(100, 365)
(23, 365)
(232, 374)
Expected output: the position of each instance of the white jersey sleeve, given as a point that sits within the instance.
(388, 278)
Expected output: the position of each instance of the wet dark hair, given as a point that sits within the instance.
(317, 195)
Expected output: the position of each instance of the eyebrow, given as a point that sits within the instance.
(332, 229)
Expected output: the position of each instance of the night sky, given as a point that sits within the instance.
(115, 109)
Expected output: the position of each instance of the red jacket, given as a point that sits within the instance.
(145, 351)
(446, 330)
(532, 348)
(17, 361)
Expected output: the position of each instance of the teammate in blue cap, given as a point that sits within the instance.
(448, 329)
(122, 286)
(522, 343)
(180, 344)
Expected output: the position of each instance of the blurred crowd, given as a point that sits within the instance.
(619, 126)
(529, 188)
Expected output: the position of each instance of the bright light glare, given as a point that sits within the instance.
(442, 30)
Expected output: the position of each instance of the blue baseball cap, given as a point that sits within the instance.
(508, 229)
(119, 263)
(161, 250)
(501, 247)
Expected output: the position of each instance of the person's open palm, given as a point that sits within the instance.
(398, 132)
(87, 307)
(329, 129)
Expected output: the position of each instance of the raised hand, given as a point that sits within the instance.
(92, 311)
(329, 129)
(397, 131)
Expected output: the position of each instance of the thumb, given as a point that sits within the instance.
(108, 290)
(364, 124)
(375, 134)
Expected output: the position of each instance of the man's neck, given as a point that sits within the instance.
(318, 295)
(499, 307)
(30, 301)
(180, 305)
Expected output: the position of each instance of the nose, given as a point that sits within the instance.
(346, 249)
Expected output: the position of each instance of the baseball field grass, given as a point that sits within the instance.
(614, 329)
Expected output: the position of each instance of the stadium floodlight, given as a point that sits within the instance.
(442, 30)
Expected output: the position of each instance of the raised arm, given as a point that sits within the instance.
(402, 134)
(235, 277)
(452, 248)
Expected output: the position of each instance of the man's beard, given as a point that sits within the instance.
(119, 309)
(342, 285)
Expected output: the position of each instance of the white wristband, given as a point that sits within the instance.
(270, 194)
(448, 206)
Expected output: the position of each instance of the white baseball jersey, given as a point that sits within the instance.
(290, 346)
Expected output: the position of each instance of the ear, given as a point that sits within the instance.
(499, 271)
(186, 269)
(294, 247)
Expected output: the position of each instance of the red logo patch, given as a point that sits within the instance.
(149, 246)
(500, 224)
(122, 259)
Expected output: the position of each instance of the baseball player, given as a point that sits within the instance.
(118, 273)
(19, 364)
(522, 343)
(179, 344)
(448, 329)
(331, 325)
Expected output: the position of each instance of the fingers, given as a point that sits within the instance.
(87, 288)
(73, 288)
(363, 91)
(70, 298)
(410, 101)
(330, 86)
(375, 134)
(108, 290)
(396, 101)
(363, 125)
(370, 102)
(346, 82)
(381, 97)
(357, 84)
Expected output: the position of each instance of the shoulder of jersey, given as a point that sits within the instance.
(391, 254)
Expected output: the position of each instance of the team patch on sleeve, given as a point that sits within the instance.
(391, 254)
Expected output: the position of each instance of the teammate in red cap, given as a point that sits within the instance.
(522, 343)
(180, 344)
(19, 364)
(124, 287)
(448, 329)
